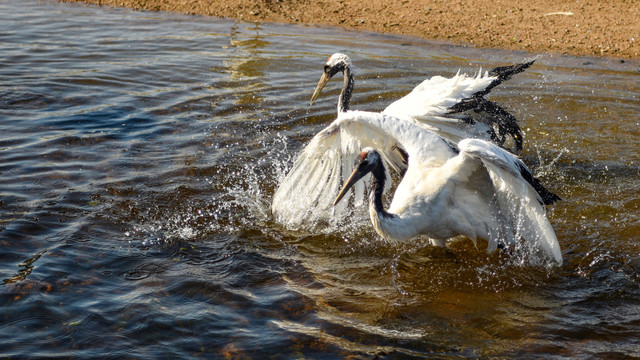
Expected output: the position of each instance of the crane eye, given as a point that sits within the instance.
(363, 161)
(326, 68)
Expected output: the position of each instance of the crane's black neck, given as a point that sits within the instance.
(378, 178)
(347, 89)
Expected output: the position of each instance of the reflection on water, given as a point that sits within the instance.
(140, 151)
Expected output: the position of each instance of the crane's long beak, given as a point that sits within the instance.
(323, 81)
(355, 176)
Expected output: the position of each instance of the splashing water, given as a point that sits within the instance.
(141, 151)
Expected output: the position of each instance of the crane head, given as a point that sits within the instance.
(335, 64)
(366, 161)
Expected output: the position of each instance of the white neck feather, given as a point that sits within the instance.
(391, 227)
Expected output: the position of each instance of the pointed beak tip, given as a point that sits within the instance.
(355, 176)
(314, 97)
(338, 198)
(323, 81)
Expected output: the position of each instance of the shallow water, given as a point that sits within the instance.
(140, 151)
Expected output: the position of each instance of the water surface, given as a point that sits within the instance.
(139, 153)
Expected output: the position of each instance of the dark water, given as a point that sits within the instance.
(139, 153)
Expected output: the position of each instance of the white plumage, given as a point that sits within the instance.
(474, 188)
(454, 108)
(435, 96)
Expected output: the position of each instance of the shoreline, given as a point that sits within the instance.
(580, 28)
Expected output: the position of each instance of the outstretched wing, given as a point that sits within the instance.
(520, 196)
(304, 198)
(435, 96)
(455, 107)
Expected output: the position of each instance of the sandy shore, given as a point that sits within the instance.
(577, 27)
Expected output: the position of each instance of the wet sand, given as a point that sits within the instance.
(573, 27)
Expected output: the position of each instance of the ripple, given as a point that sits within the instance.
(140, 152)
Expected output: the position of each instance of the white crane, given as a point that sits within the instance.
(454, 108)
(474, 188)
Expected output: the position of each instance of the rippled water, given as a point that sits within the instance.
(139, 153)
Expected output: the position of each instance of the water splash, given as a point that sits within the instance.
(549, 169)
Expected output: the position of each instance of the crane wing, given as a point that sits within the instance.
(304, 198)
(455, 107)
(520, 196)
(432, 101)
(435, 96)
(439, 95)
